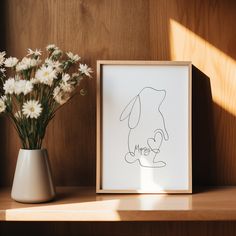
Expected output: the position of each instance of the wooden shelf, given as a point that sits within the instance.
(82, 204)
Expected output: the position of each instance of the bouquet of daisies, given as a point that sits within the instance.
(32, 90)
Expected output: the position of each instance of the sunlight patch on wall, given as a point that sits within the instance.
(219, 67)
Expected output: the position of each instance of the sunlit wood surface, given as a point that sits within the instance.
(83, 204)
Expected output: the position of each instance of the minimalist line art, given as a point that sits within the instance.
(147, 128)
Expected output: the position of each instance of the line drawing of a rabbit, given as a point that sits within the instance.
(147, 127)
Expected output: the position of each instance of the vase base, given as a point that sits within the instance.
(33, 201)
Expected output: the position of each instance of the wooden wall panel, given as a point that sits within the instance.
(201, 31)
(94, 30)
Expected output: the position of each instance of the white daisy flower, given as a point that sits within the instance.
(24, 64)
(21, 66)
(2, 106)
(27, 63)
(34, 62)
(55, 64)
(19, 86)
(56, 91)
(56, 52)
(4, 98)
(32, 109)
(9, 86)
(23, 86)
(34, 81)
(49, 62)
(18, 114)
(36, 52)
(28, 87)
(11, 62)
(62, 98)
(65, 86)
(65, 78)
(2, 70)
(51, 47)
(84, 69)
(45, 75)
(73, 57)
(2, 57)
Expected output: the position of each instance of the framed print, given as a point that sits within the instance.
(144, 139)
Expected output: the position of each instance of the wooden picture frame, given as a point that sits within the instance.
(144, 127)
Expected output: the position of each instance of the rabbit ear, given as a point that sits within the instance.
(135, 113)
(132, 111)
(126, 112)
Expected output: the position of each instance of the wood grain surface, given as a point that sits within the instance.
(83, 204)
(77, 204)
(199, 31)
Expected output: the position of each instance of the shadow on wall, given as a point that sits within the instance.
(202, 127)
(207, 169)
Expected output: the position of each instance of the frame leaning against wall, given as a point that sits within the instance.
(122, 89)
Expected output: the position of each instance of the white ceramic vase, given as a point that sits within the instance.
(33, 179)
